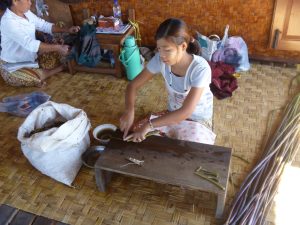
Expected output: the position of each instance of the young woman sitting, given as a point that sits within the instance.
(187, 77)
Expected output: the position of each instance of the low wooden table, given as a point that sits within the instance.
(167, 161)
(110, 42)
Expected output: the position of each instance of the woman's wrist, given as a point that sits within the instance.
(146, 128)
(57, 48)
(129, 110)
(150, 124)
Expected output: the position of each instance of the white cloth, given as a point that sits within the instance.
(198, 75)
(12, 67)
(18, 41)
(56, 152)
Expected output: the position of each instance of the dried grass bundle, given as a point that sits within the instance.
(255, 197)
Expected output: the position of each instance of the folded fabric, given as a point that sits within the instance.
(223, 82)
(86, 49)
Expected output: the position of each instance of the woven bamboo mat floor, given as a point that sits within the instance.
(240, 122)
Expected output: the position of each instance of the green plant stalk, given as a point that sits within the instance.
(241, 158)
(206, 172)
(210, 180)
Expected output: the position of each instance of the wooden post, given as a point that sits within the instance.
(131, 14)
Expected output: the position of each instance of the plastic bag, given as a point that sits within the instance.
(234, 52)
(53, 149)
(22, 105)
(41, 8)
(210, 44)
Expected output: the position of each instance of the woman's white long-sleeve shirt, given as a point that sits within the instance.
(18, 40)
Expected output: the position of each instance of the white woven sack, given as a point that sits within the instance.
(56, 152)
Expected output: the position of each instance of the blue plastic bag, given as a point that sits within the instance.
(22, 105)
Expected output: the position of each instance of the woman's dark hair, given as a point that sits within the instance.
(176, 30)
(4, 4)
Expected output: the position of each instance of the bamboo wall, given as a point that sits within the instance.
(250, 19)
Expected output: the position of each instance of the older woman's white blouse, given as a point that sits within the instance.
(18, 40)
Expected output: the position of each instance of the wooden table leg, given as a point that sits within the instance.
(118, 65)
(100, 179)
(220, 205)
(71, 64)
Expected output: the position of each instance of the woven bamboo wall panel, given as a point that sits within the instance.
(250, 19)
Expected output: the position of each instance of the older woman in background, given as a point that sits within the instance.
(19, 44)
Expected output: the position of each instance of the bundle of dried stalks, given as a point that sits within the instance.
(254, 200)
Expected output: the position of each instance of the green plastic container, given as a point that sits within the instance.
(130, 58)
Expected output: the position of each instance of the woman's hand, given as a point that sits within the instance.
(139, 134)
(127, 118)
(63, 49)
(126, 121)
(73, 29)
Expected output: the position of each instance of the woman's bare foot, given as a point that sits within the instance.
(48, 73)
